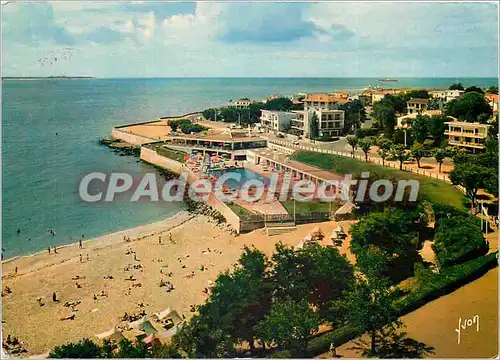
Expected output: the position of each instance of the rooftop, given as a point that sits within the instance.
(466, 124)
(326, 98)
(418, 101)
(492, 97)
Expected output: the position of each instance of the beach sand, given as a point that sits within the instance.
(39, 328)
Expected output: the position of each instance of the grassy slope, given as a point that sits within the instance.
(435, 191)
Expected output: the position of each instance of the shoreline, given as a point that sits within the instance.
(110, 239)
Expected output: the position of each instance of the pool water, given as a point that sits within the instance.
(245, 176)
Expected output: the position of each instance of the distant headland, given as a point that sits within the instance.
(46, 77)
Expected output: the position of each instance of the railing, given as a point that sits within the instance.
(373, 160)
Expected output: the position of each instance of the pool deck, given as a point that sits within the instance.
(304, 171)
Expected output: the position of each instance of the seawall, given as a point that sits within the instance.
(152, 157)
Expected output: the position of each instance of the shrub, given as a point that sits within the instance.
(457, 239)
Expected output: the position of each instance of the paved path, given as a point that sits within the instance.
(428, 168)
(434, 323)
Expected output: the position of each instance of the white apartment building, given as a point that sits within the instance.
(241, 103)
(445, 95)
(275, 120)
(330, 122)
(417, 105)
(467, 135)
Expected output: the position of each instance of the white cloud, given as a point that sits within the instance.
(271, 39)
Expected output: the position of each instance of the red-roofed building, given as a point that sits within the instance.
(492, 99)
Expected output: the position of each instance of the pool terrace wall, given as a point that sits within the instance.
(150, 156)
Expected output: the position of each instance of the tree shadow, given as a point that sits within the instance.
(394, 344)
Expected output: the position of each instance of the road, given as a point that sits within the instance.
(434, 323)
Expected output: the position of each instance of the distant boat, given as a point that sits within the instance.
(388, 80)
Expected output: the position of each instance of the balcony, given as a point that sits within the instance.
(465, 134)
(466, 144)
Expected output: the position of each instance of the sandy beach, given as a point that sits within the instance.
(39, 328)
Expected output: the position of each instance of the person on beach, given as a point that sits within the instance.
(48, 249)
(80, 245)
(88, 258)
(81, 259)
(159, 240)
(55, 250)
(54, 297)
(15, 271)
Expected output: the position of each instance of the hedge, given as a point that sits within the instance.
(448, 280)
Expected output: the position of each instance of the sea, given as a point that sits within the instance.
(50, 133)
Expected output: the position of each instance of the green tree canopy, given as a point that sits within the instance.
(439, 154)
(314, 127)
(418, 152)
(289, 325)
(474, 88)
(396, 235)
(365, 145)
(472, 177)
(370, 308)
(492, 90)
(420, 128)
(470, 107)
(353, 141)
(385, 114)
(456, 86)
(399, 153)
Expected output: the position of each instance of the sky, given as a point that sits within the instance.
(259, 39)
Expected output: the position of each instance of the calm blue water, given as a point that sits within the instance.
(41, 169)
(245, 176)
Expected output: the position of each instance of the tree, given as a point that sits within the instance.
(439, 154)
(456, 86)
(386, 116)
(370, 308)
(472, 177)
(399, 152)
(279, 104)
(492, 90)
(314, 127)
(458, 239)
(419, 128)
(353, 141)
(84, 349)
(318, 274)
(289, 325)
(211, 114)
(388, 240)
(417, 94)
(474, 88)
(355, 114)
(383, 153)
(437, 128)
(365, 145)
(470, 107)
(418, 152)
(173, 125)
(393, 344)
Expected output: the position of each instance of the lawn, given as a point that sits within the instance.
(432, 190)
(239, 210)
(309, 207)
(171, 154)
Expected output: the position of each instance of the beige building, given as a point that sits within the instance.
(317, 102)
(417, 105)
(467, 135)
(402, 120)
(275, 120)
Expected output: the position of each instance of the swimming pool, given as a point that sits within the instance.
(245, 176)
